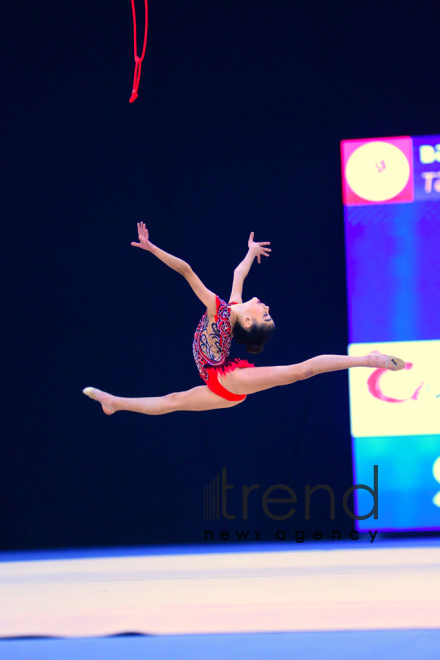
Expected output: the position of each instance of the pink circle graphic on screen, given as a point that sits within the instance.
(377, 171)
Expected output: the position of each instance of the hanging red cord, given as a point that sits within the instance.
(138, 60)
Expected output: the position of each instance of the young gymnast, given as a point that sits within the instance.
(227, 382)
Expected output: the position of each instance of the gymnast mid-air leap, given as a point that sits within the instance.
(227, 382)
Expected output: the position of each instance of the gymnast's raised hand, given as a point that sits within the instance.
(227, 382)
(257, 248)
(144, 242)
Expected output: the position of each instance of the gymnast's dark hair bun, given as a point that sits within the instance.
(253, 337)
(255, 348)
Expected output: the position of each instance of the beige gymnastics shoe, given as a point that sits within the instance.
(93, 393)
(393, 363)
(397, 363)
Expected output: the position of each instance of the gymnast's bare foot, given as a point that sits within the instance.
(390, 362)
(102, 397)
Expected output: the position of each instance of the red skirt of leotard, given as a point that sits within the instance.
(214, 384)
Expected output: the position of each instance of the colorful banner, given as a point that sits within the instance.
(391, 194)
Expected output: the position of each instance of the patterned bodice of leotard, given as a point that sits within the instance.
(212, 339)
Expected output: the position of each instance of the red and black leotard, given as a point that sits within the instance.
(211, 348)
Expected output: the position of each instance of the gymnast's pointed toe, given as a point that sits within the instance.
(105, 399)
(91, 392)
(395, 364)
(390, 362)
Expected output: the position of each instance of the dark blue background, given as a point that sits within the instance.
(241, 109)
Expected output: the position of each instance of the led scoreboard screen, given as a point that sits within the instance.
(391, 195)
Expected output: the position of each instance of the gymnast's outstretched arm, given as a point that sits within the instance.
(205, 295)
(243, 268)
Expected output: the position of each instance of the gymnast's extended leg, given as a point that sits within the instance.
(197, 399)
(249, 381)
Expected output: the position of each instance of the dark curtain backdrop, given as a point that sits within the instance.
(241, 109)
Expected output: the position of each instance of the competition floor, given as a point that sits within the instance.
(322, 600)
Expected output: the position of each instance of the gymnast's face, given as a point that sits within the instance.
(258, 311)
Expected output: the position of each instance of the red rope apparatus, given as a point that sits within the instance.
(138, 60)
